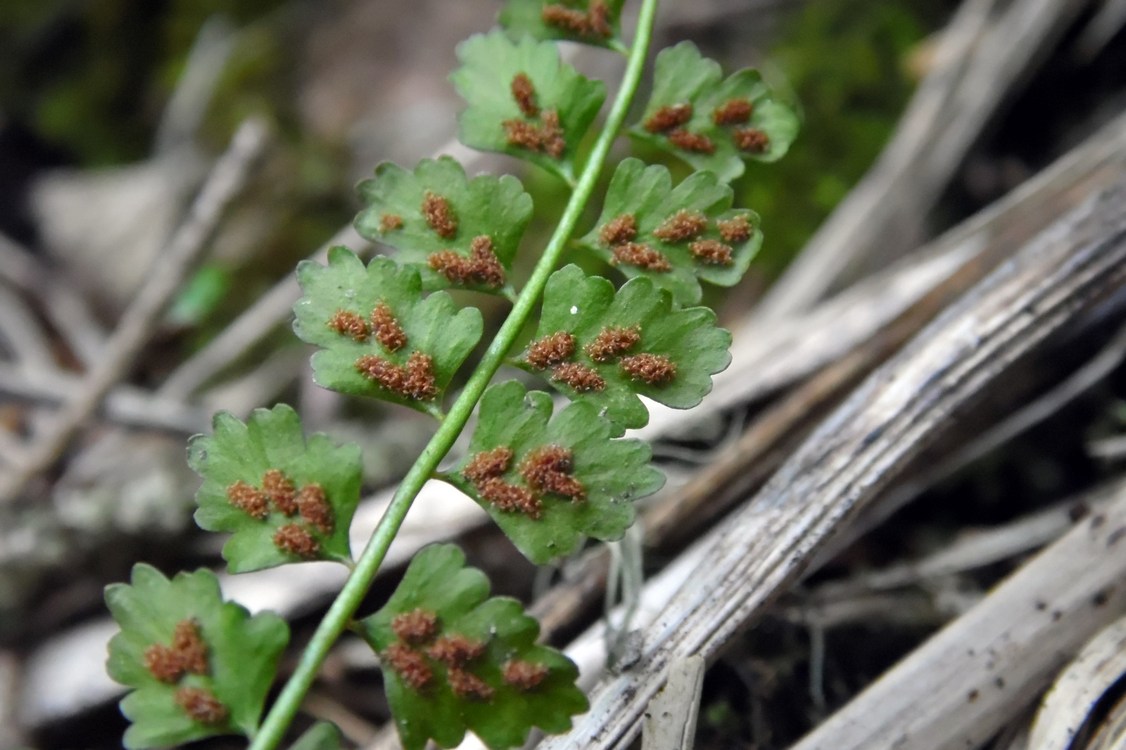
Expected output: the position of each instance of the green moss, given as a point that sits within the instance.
(92, 78)
(844, 63)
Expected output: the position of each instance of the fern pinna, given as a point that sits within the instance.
(453, 658)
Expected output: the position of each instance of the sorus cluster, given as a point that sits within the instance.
(186, 654)
(415, 380)
(540, 131)
(548, 469)
(278, 493)
(684, 226)
(423, 653)
(381, 324)
(612, 343)
(670, 120)
(481, 268)
(594, 24)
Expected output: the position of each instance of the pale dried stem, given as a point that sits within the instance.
(961, 686)
(761, 550)
(985, 52)
(144, 313)
(123, 404)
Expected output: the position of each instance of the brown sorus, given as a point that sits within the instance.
(468, 685)
(613, 341)
(564, 18)
(456, 650)
(280, 491)
(640, 255)
(524, 675)
(348, 323)
(415, 627)
(409, 664)
(654, 369)
(668, 117)
(201, 705)
(415, 381)
(711, 252)
(488, 464)
(548, 469)
(248, 499)
(579, 377)
(296, 540)
(315, 508)
(164, 663)
(420, 383)
(683, 225)
(546, 458)
(618, 230)
(482, 267)
(751, 140)
(385, 373)
(521, 134)
(697, 143)
(386, 328)
(390, 222)
(438, 214)
(187, 642)
(566, 485)
(598, 19)
(486, 266)
(736, 229)
(525, 95)
(509, 497)
(547, 137)
(550, 350)
(553, 141)
(595, 23)
(733, 112)
(453, 265)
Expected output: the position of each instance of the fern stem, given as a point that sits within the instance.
(340, 614)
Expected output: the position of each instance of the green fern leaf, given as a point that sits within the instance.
(675, 236)
(379, 336)
(282, 497)
(454, 659)
(524, 101)
(608, 347)
(549, 481)
(197, 666)
(711, 122)
(456, 231)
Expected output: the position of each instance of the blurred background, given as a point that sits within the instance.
(113, 113)
(89, 89)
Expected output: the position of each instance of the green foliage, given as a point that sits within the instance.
(845, 64)
(282, 497)
(596, 22)
(378, 335)
(454, 659)
(197, 666)
(704, 119)
(687, 225)
(559, 105)
(496, 208)
(202, 294)
(587, 492)
(85, 76)
(585, 307)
